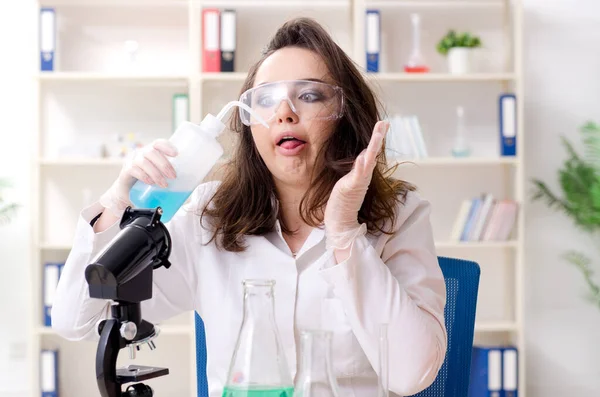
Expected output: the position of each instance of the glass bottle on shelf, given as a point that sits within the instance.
(258, 366)
(461, 145)
(315, 378)
(416, 61)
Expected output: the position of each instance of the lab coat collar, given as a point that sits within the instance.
(315, 237)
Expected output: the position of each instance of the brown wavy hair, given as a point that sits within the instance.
(244, 203)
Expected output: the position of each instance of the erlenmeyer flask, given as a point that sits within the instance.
(416, 61)
(258, 367)
(316, 378)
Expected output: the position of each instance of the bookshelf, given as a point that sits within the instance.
(90, 82)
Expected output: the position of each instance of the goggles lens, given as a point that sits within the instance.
(309, 100)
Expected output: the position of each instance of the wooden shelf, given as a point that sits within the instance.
(164, 330)
(386, 77)
(440, 77)
(494, 4)
(106, 77)
(115, 3)
(506, 326)
(72, 162)
(457, 161)
(476, 244)
(303, 4)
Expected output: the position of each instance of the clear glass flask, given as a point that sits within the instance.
(460, 147)
(258, 367)
(416, 60)
(316, 378)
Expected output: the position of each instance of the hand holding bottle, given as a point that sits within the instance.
(148, 164)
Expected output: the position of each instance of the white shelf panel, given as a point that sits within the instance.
(388, 77)
(164, 330)
(54, 247)
(223, 76)
(455, 161)
(439, 244)
(441, 77)
(303, 4)
(496, 327)
(435, 4)
(65, 162)
(425, 162)
(171, 79)
(114, 3)
(477, 244)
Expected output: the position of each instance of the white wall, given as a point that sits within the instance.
(562, 84)
(562, 38)
(17, 39)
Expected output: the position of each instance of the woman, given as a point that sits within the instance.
(305, 202)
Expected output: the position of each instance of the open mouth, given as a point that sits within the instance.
(289, 142)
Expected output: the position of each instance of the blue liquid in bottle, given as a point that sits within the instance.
(145, 196)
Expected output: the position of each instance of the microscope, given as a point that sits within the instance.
(122, 273)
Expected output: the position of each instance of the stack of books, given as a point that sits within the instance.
(485, 218)
(404, 140)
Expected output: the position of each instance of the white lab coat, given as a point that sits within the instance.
(393, 278)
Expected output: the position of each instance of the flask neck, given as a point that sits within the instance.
(259, 305)
(316, 369)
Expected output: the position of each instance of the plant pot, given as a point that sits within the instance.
(459, 60)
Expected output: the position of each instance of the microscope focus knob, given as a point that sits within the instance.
(128, 330)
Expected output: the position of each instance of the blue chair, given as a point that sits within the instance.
(201, 358)
(462, 284)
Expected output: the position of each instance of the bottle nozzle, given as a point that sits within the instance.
(247, 108)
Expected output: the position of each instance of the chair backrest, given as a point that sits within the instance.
(201, 358)
(462, 285)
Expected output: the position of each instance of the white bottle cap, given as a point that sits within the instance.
(212, 125)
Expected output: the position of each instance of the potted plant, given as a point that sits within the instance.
(579, 180)
(458, 48)
(6, 209)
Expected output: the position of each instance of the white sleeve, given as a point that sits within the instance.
(402, 284)
(75, 315)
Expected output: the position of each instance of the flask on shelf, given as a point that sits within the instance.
(316, 378)
(198, 151)
(461, 144)
(416, 61)
(258, 366)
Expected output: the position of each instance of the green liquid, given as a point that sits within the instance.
(258, 392)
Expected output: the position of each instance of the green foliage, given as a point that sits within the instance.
(579, 180)
(582, 262)
(453, 39)
(6, 209)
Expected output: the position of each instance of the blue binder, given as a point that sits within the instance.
(373, 39)
(510, 372)
(47, 39)
(507, 107)
(52, 272)
(49, 373)
(486, 372)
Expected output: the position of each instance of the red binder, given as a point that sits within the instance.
(211, 50)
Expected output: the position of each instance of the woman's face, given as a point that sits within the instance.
(291, 161)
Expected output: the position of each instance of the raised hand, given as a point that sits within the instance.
(348, 194)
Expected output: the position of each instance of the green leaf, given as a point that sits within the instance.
(582, 262)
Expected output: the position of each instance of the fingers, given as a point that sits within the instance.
(165, 147)
(365, 162)
(376, 141)
(151, 165)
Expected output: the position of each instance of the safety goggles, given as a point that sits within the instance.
(309, 100)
